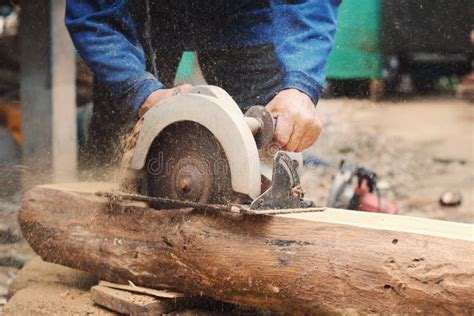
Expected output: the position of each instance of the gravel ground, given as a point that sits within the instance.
(419, 148)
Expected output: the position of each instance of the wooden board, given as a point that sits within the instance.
(142, 290)
(324, 262)
(129, 303)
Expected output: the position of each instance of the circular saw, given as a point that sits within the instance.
(199, 148)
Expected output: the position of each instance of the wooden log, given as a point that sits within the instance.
(325, 262)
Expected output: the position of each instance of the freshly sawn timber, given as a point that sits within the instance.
(323, 262)
(136, 304)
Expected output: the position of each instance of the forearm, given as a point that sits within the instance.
(303, 37)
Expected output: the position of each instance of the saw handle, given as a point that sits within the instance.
(261, 124)
(254, 124)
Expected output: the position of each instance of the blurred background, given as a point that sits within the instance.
(398, 100)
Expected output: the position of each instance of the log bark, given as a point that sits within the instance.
(325, 262)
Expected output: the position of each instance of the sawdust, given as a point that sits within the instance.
(124, 175)
(85, 187)
(47, 289)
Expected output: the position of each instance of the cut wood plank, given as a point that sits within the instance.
(321, 262)
(126, 302)
(142, 290)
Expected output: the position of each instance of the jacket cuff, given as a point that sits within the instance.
(139, 88)
(304, 83)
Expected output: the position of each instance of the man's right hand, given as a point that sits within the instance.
(160, 95)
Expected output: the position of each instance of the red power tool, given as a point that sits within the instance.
(355, 188)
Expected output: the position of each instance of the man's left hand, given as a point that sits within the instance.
(298, 125)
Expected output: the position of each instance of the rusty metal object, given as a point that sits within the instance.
(186, 162)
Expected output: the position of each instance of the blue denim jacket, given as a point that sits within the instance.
(113, 37)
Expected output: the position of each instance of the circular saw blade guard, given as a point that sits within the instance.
(214, 109)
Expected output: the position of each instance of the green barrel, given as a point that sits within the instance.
(357, 53)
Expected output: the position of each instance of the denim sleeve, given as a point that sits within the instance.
(106, 38)
(303, 33)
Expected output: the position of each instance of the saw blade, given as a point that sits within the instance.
(186, 162)
(166, 204)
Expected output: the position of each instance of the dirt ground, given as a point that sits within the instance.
(419, 148)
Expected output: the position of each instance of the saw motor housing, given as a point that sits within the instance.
(210, 113)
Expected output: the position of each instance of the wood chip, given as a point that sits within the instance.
(142, 290)
(125, 302)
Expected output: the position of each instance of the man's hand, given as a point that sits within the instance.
(160, 95)
(298, 124)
